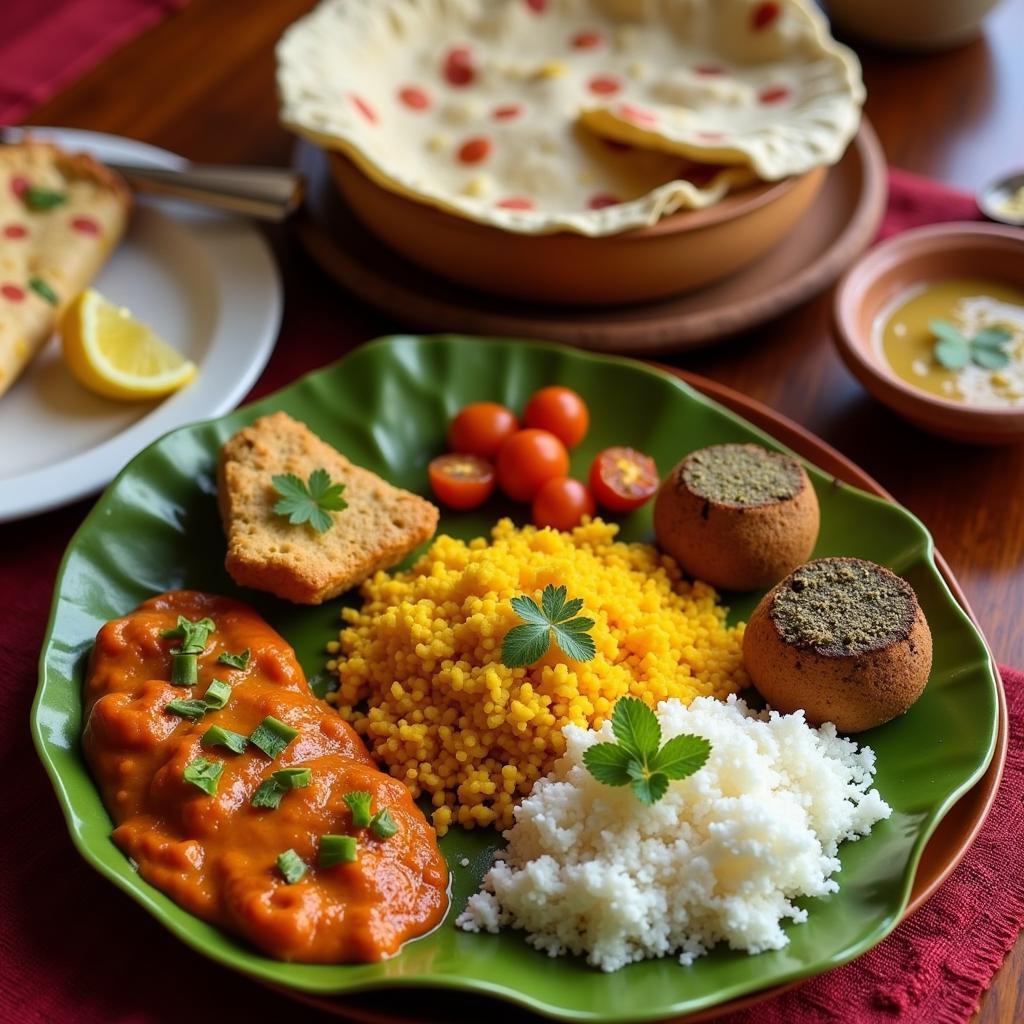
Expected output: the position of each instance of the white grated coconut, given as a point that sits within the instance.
(589, 869)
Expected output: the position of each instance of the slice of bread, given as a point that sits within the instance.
(380, 526)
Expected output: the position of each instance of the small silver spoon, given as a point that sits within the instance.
(268, 193)
(995, 194)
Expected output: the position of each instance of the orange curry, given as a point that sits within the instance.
(216, 855)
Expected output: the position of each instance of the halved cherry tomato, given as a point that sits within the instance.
(461, 481)
(561, 504)
(528, 460)
(481, 428)
(622, 479)
(560, 411)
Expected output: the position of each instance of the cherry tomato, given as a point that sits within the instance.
(481, 428)
(461, 481)
(561, 504)
(622, 479)
(560, 411)
(528, 460)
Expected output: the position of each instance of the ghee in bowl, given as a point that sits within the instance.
(984, 368)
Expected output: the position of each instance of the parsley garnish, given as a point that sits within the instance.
(44, 291)
(235, 660)
(954, 350)
(43, 198)
(638, 758)
(526, 643)
(309, 503)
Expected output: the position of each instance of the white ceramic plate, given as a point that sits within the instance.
(206, 282)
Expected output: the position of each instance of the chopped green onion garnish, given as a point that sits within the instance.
(217, 736)
(194, 709)
(292, 778)
(235, 660)
(217, 694)
(184, 669)
(360, 804)
(268, 794)
(290, 865)
(204, 774)
(383, 825)
(336, 850)
(272, 736)
(43, 198)
(44, 291)
(194, 635)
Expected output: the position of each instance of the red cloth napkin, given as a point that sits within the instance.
(45, 44)
(75, 949)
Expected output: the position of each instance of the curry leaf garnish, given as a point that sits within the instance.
(638, 757)
(554, 617)
(309, 502)
(954, 350)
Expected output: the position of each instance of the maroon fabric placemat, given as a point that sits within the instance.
(45, 44)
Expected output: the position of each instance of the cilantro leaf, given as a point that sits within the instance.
(682, 756)
(553, 618)
(608, 763)
(638, 759)
(636, 727)
(308, 502)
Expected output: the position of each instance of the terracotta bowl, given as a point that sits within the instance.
(933, 253)
(681, 253)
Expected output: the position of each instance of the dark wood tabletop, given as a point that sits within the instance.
(201, 83)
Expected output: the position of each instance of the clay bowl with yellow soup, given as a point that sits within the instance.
(680, 253)
(932, 323)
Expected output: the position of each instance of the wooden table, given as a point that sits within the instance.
(201, 83)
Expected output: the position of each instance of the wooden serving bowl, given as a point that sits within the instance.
(680, 253)
(934, 253)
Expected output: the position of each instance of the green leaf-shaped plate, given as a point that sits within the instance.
(387, 406)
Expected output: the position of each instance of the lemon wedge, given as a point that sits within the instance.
(115, 355)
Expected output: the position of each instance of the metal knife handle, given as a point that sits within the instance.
(268, 193)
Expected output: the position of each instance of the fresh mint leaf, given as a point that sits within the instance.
(552, 619)
(308, 502)
(636, 728)
(990, 358)
(943, 329)
(953, 355)
(991, 337)
(681, 756)
(608, 763)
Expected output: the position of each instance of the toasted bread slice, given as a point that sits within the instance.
(380, 526)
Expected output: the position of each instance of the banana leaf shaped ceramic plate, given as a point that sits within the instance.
(387, 406)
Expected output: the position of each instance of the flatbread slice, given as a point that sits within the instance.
(61, 215)
(381, 525)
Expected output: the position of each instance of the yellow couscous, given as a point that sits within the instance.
(449, 719)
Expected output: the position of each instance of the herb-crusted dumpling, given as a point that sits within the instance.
(737, 516)
(842, 638)
(379, 527)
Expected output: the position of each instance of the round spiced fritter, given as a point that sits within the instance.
(842, 638)
(737, 515)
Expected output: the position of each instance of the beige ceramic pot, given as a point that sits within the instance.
(927, 254)
(911, 24)
(681, 253)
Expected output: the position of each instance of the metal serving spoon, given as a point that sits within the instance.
(996, 193)
(269, 193)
